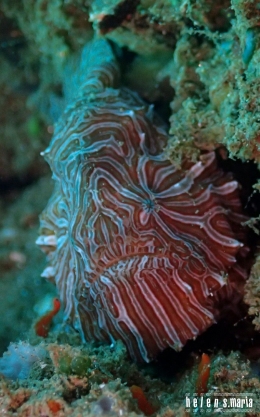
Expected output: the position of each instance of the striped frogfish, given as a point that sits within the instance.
(140, 249)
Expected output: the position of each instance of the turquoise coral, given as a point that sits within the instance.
(19, 359)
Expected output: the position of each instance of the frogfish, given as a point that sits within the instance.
(140, 249)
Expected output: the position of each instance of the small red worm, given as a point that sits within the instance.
(142, 401)
(204, 372)
(42, 326)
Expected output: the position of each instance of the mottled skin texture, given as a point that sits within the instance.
(139, 250)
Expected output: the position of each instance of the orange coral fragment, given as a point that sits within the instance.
(54, 406)
(42, 326)
(204, 372)
(142, 401)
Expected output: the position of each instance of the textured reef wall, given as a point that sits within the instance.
(197, 64)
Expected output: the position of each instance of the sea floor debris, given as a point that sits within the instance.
(103, 382)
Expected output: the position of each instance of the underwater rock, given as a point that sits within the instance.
(110, 14)
(139, 249)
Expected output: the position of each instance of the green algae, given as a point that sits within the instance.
(34, 126)
(80, 365)
(77, 365)
(64, 363)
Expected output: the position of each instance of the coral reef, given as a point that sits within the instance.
(95, 391)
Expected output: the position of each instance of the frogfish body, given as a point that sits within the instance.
(140, 250)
